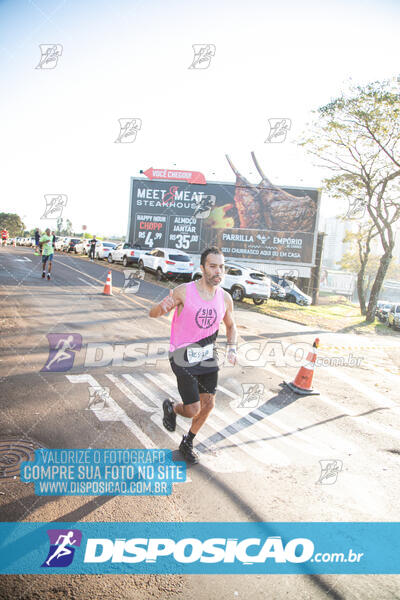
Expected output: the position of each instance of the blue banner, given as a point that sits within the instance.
(207, 548)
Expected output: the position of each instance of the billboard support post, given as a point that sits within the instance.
(316, 271)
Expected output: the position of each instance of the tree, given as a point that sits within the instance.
(351, 262)
(68, 227)
(358, 259)
(13, 223)
(357, 137)
(60, 225)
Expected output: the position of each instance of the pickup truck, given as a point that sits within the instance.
(126, 253)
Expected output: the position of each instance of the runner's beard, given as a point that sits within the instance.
(213, 280)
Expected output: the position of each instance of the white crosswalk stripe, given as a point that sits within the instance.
(232, 432)
(245, 440)
(219, 464)
(275, 428)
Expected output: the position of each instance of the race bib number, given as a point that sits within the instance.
(199, 354)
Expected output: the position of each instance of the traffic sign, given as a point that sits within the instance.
(175, 175)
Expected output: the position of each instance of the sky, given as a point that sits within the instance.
(125, 59)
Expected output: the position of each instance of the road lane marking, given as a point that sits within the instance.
(87, 282)
(218, 464)
(125, 297)
(113, 412)
(361, 421)
(229, 464)
(239, 437)
(129, 394)
(275, 429)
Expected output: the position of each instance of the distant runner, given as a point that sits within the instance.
(46, 242)
(37, 239)
(200, 306)
(92, 247)
(4, 237)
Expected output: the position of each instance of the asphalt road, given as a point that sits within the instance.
(260, 456)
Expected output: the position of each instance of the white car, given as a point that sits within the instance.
(243, 282)
(82, 247)
(62, 243)
(126, 253)
(103, 249)
(167, 262)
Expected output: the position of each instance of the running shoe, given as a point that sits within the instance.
(48, 275)
(43, 275)
(169, 420)
(186, 449)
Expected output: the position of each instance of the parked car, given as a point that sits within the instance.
(394, 316)
(126, 253)
(62, 243)
(103, 248)
(244, 282)
(167, 262)
(18, 240)
(382, 310)
(293, 293)
(277, 291)
(82, 247)
(71, 244)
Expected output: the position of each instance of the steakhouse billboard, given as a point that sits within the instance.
(258, 222)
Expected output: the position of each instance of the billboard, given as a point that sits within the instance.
(259, 222)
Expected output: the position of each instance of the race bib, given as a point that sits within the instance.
(195, 355)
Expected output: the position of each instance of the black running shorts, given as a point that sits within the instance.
(190, 386)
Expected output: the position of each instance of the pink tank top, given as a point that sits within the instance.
(199, 319)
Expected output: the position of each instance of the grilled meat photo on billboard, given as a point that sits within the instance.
(266, 206)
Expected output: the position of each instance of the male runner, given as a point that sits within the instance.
(46, 242)
(92, 247)
(37, 239)
(200, 306)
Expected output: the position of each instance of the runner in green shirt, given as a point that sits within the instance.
(46, 243)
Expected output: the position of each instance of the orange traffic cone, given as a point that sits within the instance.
(108, 287)
(302, 383)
